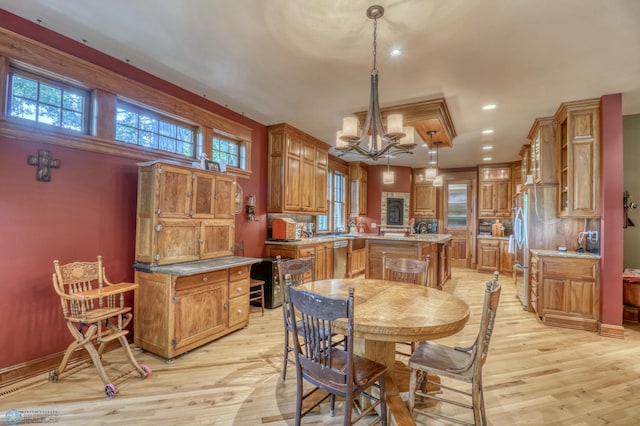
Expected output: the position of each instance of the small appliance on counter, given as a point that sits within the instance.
(285, 229)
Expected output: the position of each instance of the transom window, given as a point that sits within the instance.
(42, 100)
(140, 126)
(230, 152)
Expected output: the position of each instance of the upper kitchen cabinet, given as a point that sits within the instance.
(298, 168)
(578, 156)
(357, 189)
(543, 142)
(494, 198)
(424, 197)
(183, 214)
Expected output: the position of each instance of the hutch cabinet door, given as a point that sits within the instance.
(224, 198)
(176, 241)
(200, 308)
(174, 197)
(216, 238)
(202, 206)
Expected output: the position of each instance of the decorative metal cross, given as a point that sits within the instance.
(44, 162)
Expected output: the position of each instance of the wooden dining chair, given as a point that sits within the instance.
(463, 364)
(411, 271)
(292, 272)
(95, 313)
(336, 371)
(256, 287)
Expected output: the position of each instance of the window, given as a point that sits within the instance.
(42, 100)
(336, 200)
(230, 152)
(139, 126)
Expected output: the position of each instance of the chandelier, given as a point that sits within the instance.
(375, 141)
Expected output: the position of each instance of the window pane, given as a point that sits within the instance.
(71, 120)
(25, 87)
(46, 101)
(227, 151)
(50, 95)
(49, 115)
(146, 128)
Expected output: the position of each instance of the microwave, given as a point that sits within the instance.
(284, 229)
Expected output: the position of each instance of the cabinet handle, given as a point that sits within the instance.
(239, 289)
(226, 305)
(239, 272)
(205, 278)
(239, 311)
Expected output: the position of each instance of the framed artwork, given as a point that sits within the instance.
(212, 166)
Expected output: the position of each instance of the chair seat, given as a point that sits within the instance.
(100, 314)
(365, 370)
(256, 283)
(442, 360)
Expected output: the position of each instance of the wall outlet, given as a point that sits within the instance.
(529, 180)
(373, 225)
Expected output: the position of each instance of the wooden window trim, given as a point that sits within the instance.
(23, 52)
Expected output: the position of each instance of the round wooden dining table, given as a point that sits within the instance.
(387, 312)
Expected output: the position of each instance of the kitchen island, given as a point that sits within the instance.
(415, 246)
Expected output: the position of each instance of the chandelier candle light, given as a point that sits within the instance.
(394, 139)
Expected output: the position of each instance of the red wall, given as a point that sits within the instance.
(375, 188)
(611, 225)
(87, 209)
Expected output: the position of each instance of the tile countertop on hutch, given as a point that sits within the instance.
(184, 305)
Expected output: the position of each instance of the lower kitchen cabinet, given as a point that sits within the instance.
(176, 311)
(493, 255)
(323, 253)
(568, 291)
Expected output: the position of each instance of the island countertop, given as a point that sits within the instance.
(430, 238)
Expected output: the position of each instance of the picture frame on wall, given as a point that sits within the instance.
(213, 166)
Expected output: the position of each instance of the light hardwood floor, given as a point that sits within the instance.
(534, 375)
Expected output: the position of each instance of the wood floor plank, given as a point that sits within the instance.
(534, 375)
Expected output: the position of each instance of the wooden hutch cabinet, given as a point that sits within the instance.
(298, 170)
(579, 158)
(495, 192)
(183, 214)
(542, 150)
(175, 313)
(424, 197)
(357, 189)
(568, 290)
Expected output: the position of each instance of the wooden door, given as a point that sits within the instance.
(174, 196)
(202, 204)
(488, 255)
(175, 241)
(224, 198)
(216, 238)
(200, 308)
(425, 200)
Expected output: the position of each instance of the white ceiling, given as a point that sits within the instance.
(307, 62)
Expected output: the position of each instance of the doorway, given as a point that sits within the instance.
(459, 220)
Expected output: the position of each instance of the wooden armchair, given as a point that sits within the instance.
(336, 371)
(293, 272)
(95, 313)
(463, 364)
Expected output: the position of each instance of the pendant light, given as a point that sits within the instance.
(431, 172)
(388, 177)
(438, 179)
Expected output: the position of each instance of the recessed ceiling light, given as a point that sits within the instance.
(433, 162)
(487, 159)
(396, 52)
(488, 107)
(487, 147)
(487, 131)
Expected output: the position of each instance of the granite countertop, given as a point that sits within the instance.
(432, 238)
(569, 253)
(199, 266)
(491, 237)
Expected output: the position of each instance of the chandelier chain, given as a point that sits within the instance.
(375, 45)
